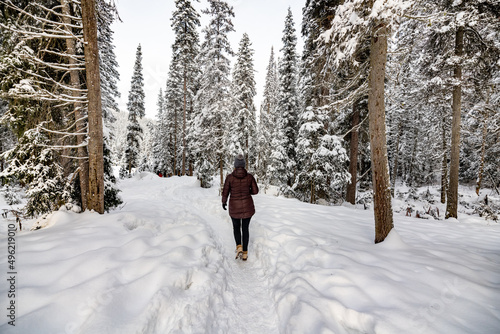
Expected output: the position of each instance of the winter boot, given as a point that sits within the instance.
(239, 251)
(245, 256)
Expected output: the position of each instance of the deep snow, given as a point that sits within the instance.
(164, 263)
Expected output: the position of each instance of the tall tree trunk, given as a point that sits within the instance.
(175, 141)
(313, 198)
(79, 112)
(396, 155)
(452, 204)
(95, 198)
(444, 164)
(353, 155)
(184, 125)
(378, 140)
(221, 166)
(410, 177)
(483, 151)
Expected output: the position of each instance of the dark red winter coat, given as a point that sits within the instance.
(241, 185)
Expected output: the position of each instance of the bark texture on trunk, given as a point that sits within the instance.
(184, 111)
(452, 203)
(353, 155)
(95, 197)
(378, 140)
(79, 112)
(483, 146)
(221, 168)
(175, 142)
(396, 155)
(409, 178)
(444, 164)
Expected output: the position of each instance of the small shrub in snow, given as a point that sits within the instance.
(488, 209)
(366, 199)
(413, 195)
(428, 196)
(12, 196)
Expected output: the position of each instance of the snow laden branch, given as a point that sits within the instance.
(39, 19)
(354, 21)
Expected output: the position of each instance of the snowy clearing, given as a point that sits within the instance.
(164, 263)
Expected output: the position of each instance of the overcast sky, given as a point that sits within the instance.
(148, 22)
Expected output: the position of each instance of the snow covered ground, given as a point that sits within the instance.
(164, 263)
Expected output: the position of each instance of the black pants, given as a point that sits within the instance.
(241, 225)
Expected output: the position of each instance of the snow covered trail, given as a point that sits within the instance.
(164, 263)
(249, 307)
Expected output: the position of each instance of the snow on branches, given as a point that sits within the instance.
(354, 21)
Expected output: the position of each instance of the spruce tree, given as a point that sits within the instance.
(212, 100)
(174, 116)
(35, 164)
(159, 137)
(323, 174)
(135, 107)
(267, 120)
(287, 108)
(244, 132)
(185, 21)
(106, 15)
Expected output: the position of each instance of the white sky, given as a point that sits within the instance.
(148, 22)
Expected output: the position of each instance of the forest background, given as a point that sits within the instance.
(403, 91)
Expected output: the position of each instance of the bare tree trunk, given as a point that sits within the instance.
(353, 155)
(378, 140)
(79, 111)
(313, 198)
(184, 126)
(413, 158)
(175, 141)
(444, 165)
(483, 152)
(452, 204)
(396, 155)
(221, 166)
(95, 198)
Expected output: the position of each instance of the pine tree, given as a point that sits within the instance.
(243, 133)
(341, 85)
(212, 100)
(347, 35)
(287, 108)
(312, 183)
(106, 14)
(267, 120)
(34, 164)
(135, 107)
(317, 15)
(185, 21)
(323, 174)
(160, 156)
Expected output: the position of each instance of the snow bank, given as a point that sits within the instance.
(328, 276)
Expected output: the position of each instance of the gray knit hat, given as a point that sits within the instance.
(239, 161)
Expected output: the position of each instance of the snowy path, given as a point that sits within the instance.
(250, 308)
(164, 263)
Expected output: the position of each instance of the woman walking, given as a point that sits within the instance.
(240, 185)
